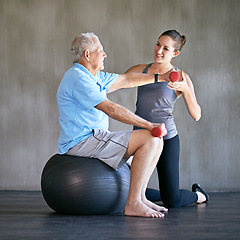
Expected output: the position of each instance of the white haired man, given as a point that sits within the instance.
(83, 116)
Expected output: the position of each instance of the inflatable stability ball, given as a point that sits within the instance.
(81, 185)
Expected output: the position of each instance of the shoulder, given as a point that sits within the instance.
(188, 79)
(186, 75)
(137, 68)
(104, 75)
(73, 74)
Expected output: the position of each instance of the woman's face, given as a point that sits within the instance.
(164, 50)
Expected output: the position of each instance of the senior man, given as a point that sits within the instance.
(83, 116)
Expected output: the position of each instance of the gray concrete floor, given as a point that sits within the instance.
(25, 215)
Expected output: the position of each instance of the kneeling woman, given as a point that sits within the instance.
(155, 103)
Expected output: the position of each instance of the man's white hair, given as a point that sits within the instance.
(85, 41)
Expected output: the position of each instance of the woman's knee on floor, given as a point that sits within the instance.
(171, 201)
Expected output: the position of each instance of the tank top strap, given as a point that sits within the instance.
(147, 67)
(150, 64)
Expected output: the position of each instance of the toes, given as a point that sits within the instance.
(161, 215)
(163, 209)
(157, 215)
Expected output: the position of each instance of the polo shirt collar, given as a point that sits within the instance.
(82, 68)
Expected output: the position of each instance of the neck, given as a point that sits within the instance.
(87, 66)
(162, 68)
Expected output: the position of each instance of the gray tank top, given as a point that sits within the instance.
(155, 103)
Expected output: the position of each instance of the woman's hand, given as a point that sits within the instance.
(181, 86)
(185, 87)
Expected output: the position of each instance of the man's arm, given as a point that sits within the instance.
(129, 80)
(123, 115)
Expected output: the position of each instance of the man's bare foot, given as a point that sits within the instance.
(139, 209)
(154, 206)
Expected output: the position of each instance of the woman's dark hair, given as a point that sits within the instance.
(179, 39)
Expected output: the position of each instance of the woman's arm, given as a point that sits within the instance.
(186, 88)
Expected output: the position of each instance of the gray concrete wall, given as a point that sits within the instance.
(35, 38)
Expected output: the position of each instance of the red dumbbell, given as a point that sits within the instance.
(159, 131)
(174, 76)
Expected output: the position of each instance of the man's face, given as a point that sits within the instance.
(97, 56)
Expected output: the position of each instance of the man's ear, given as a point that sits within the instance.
(87, 55)
(176, 53)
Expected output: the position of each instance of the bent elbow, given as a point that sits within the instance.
(197, 117)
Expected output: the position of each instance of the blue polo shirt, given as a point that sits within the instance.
(78, 94)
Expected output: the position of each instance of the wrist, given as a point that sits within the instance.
(150, 126)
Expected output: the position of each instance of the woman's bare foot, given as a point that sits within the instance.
(139, 209)
(154, 206)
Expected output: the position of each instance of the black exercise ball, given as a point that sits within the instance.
(80, 185)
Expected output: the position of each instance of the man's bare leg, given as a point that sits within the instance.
(144, 199)
(145, 149)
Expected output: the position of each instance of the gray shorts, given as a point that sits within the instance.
(109, 147)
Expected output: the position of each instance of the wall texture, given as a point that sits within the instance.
(35, 38)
